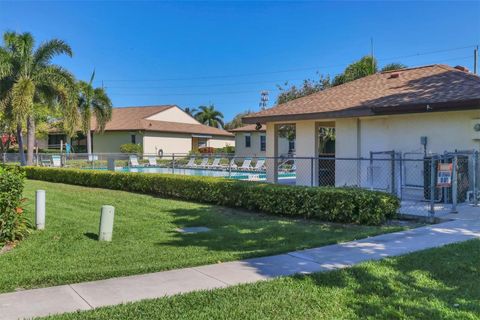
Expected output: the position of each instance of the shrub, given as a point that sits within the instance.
(346, 205)
(225, 150)
(13, 223)
(131, 148)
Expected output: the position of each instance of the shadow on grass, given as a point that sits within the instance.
(91, 235)
(434, 284)
(253, 235)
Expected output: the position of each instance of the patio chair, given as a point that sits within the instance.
(246, 165)
(230, 165)
(214, 164)
(133, 161)
(260, 165)
(152, 161)
(56, 161)
(204, 163)
(191, 163)
(92, 157)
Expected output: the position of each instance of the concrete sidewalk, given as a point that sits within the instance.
(89, 295)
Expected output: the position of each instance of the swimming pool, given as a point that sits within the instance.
(240, 175)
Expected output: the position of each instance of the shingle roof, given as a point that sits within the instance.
(249, 128)
(428, 88)
(134, 119)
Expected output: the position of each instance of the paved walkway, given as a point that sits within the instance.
(89, 295)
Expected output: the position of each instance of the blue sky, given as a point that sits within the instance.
(194, 53)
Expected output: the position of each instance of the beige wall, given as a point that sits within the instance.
(110, 142)
(356, 137)
(174, 114)
(254, 150)
(445, 131)
(178, 142)
(220, 142)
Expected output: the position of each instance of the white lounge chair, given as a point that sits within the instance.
(246, 165)
(204, 163)
(133, 161)
(214, 164)
(191, 163)
(56, 161)
(152, 161)
(260, 165)
(230, 165)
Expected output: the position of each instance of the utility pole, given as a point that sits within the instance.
(263, 100)
(475, 60)
(371, 54)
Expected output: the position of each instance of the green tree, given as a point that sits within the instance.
(190, 111)
(394, 66)
(209, 116)
(29, 79)
(93, 101)
(236, 122)
(308, 87)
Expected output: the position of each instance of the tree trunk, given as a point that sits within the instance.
(89, 141)
(30, 139)
(21, 151)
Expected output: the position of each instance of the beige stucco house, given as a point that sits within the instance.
(251, 141)
(165, 128)
(423, 110)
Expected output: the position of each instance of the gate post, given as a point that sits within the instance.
(454, 184)
(432, 187)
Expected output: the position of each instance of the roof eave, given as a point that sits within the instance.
(370, 111)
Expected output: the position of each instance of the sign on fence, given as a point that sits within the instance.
(444, 175)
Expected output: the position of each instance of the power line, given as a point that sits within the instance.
(217, 93)
(283, 71)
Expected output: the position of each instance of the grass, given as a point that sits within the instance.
(145, 239)
(440, 283)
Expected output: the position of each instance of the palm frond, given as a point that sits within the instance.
(102, 108)
(49, 49)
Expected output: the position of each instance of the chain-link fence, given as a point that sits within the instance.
(427, 185)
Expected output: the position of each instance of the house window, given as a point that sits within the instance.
(54, 140)
(263, 143)
(248, 141)
(133, 138)
(202, 142)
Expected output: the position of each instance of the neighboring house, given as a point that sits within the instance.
(251, 141)
(167, 128)
(396, 110)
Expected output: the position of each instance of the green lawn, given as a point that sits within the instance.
(145, 239)
(440, 283)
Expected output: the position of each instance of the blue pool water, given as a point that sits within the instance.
(240, 175)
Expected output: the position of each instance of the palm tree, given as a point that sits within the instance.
(29, 79)
(209, 116)
(93, 101)
(191, 111)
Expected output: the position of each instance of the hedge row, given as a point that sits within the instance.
(346, 205)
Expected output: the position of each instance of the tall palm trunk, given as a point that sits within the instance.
(30, 139)
(89, 141)
(21, 151)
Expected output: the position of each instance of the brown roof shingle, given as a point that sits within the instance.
(428, 88)
(134, 119)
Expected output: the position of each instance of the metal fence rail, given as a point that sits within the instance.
(413, 177)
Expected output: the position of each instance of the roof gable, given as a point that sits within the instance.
(140, 119)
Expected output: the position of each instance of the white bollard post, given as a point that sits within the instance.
(40, 209)
(106, 223)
